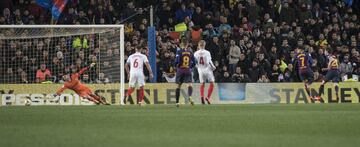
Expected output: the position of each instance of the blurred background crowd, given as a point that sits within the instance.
(249, 40)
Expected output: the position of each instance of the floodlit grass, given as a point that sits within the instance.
(264, 125)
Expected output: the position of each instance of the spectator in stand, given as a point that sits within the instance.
(182, 13)
(214, 49)
(287, 13)
(225, 77)
(85, 78)
(9, 76)
(198, 17)
(264, 63)
(263, 79)
(102, 79)
(23, 78)
(224, 26)
(43, 74)
(255, 71)
(254, 12)
(233, 56)
(275, 74)
(240, 77)
(346, 66)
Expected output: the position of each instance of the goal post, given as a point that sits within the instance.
(62, 49)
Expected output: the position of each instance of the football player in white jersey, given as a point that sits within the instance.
(134, 69)
(205, 68)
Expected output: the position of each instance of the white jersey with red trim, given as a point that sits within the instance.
(204, 65)
(203, 58)
(136, 62)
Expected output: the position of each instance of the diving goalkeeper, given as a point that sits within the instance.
(72, 82)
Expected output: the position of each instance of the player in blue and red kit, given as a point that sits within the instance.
(333, 74)
(184, 62)
(303, 62)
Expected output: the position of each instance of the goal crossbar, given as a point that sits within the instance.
(61, 26)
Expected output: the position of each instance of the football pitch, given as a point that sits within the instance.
(259, 125)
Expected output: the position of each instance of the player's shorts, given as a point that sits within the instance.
(332, 75)
(306, 75)
(84, 92)
(206, 75)
(136, 79)
(183, 78)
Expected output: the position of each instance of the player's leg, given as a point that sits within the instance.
(211, 79)
(321, 89)
(304, 77)
(202, 87)
(336, 80)
(179, 81)
(309, 81)
(210, 90)
(190, 90)
(141, 81)
(131, 89)
(90, 99)
(141, 95)
(188, 81)
(87, 91)
(307, 88)
(328, 76)
(177, 94)
(98, 98)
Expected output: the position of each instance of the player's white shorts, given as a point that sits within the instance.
(206, 75)
(136, 79)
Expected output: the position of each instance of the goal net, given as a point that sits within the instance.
(44, 53)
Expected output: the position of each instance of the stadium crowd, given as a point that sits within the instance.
(249, 40)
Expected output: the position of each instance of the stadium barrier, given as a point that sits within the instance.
(41, 94)
(164, 93)
(349, 92)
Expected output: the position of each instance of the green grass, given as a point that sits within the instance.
(278, 125)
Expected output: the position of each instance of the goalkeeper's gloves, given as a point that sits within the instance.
(92, 65)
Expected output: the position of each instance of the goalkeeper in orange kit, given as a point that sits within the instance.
(72, 82)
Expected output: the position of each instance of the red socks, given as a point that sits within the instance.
(210, 90)
(141, 95)
(202, 87)
(129, 92)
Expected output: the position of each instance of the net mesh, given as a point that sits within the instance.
(38, 55)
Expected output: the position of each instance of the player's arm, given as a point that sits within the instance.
(295, 63)
(146, 62)
(86, 68)
(295, 59)
(196, 58)
(310, 60)
(127, 68)
(210, 62)
(60, 90)
(328, 66)
(193, 61)
(177, 59)
(149, 69)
